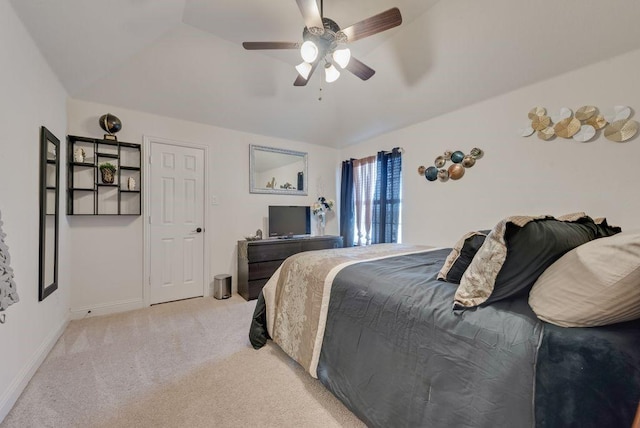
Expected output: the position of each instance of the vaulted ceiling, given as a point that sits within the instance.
(184, 58)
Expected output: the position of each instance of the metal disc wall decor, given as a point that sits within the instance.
(585, 133)
(565, 113)
(546, 134)
(537, 111)
(617, 113)
(540, 122)
(460, 162)
(621, 130)
(456, 171)
(582, 126)
(586, 112)
(468, 161)
(477, 153)
(431, 173)
(567, 128)
(526, 130)
(597, 121)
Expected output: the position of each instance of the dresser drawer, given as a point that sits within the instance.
(321, 244)
(278, 251)
(263, 269)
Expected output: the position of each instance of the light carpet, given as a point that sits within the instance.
(179, 364)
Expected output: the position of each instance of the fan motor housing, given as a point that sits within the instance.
(327, 39)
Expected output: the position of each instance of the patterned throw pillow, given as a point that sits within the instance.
(461, 255)
(516, 252)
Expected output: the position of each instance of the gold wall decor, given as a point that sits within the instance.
(460, 163)
(582, 126)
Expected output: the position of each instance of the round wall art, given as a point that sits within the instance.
(460, 162)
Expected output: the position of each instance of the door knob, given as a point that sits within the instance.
(198, 230)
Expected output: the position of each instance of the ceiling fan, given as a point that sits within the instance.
(324, 40)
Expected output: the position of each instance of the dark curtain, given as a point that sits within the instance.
(386, 202)
(347, 215)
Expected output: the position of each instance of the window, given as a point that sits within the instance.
(371, 199)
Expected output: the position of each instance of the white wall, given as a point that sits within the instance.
(31, 97)
(107, 251)
(520, 175)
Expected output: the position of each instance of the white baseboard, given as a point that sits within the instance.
(107, 308)
(11, 395)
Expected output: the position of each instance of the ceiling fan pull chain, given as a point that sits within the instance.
(320, 96)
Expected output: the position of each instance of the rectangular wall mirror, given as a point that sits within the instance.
(49, 196)
(277, 171)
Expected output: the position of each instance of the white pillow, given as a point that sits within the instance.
(595, 284)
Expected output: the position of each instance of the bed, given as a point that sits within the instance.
(389, 332)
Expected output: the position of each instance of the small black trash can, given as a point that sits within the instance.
(222, 286)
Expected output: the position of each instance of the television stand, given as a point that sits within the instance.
(258, 260)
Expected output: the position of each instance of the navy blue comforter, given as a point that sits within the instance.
(397, 354)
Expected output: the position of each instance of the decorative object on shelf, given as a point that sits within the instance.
(8, 291)
(110, 124)
(131, 183)
(79, 155)
(456, 171)
(319, 209)
(582, 126)
(108, 171)
(256, 237)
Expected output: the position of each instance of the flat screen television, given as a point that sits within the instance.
(288, 220)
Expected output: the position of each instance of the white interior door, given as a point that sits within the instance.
(176, 230)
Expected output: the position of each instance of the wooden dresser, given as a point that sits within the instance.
(258, 260)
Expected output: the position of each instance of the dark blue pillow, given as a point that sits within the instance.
(533, 248)
(461, 255)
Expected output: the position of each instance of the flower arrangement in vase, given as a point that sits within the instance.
(108, 171)
(319, 209)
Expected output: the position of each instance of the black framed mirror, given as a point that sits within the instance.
(277, 171)
(49, 197)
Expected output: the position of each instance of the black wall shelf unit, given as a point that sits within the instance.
(87, 194)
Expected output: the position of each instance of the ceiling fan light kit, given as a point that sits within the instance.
(324, 41)
(342, 57)
(309, 51)
(304, 69)
(331, 73)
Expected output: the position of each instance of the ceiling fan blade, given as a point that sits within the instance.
(360, 69)
(301, 81)
(310, 13)
(373, 25)
(270, 45)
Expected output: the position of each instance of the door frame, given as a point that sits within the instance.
(147, 142)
